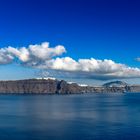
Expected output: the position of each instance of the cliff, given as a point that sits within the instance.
(38, 86)
(51, 86)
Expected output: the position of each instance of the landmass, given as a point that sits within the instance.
(54, 86)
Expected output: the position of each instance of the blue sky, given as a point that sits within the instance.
(101, 29)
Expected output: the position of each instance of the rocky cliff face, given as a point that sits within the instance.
(29, 86)
(49, 86)
(38, 86)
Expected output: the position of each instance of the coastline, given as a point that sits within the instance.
(61, 87)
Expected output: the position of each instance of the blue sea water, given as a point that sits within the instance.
(70, 117)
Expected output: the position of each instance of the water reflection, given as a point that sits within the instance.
(72, 117)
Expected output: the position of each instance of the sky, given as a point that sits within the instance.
(89, 41)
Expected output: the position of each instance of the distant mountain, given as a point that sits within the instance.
(54, 86)
(115, 84)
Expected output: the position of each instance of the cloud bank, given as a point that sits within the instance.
(48, 58)
(33, 53)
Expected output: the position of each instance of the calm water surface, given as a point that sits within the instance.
(71, 117)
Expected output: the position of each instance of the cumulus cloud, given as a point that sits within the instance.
(31, 54)
(5, 57)
(91, 68)
(47, 58)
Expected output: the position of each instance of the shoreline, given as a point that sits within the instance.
(61, 87)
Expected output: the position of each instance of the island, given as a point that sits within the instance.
(54, 86)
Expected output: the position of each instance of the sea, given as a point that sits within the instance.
(70, 117)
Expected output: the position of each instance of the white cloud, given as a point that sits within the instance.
(44, 52)
(31, 53)
(91, 68)
(5, 57)
(44, 57)
(21, 53)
